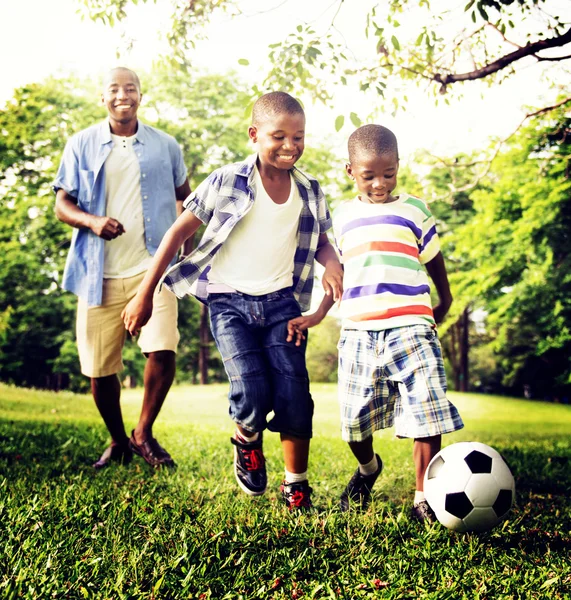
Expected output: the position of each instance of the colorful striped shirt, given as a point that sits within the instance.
(383, 248)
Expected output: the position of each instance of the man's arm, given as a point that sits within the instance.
(333, 277)
(139, 310)
(68, 212)
(437, 270)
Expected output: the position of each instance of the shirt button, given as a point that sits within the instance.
(144, 175)
(148, 239)
(145, 197)
(148, 220)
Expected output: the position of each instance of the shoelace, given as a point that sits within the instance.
(253, 459)
(299, 499)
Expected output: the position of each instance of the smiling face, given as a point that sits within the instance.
(121, 96)
(280, 140)
(375, 176)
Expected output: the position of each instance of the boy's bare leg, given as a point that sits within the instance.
(296, 453)
(363, 451)
(423, 451)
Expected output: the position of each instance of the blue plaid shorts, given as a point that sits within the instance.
(393, 377)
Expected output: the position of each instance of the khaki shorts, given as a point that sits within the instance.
(101, 332)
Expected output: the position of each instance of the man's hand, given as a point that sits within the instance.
(137, 314)
(106, 227)
(297, 326)
(333, 280)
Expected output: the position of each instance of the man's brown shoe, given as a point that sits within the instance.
(114, 453)
(152, 452)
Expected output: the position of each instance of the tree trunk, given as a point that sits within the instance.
(204, 351)
(464, 350)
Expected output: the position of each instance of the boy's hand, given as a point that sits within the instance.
(297, 326)
(333, 280)
(440, 311)
(137, 313)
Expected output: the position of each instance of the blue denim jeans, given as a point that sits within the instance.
(266, 373)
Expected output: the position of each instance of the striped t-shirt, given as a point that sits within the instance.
(383, 247)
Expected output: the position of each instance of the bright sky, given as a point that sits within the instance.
(42, 38)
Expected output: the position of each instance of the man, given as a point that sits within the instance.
(121, 185)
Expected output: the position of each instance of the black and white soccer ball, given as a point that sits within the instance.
(469, 486)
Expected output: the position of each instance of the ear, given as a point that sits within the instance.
(253, 133)
(349, 170)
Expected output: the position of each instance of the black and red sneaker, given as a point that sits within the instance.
(297, 496)
(250, 466)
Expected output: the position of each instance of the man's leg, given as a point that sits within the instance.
(159, 375)
(158, 378)
(107, 393)
(158, 341)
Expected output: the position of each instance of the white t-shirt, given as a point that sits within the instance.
(126, 255)
(258, 256)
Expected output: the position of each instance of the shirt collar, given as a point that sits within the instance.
(105, 132)
(246, 169)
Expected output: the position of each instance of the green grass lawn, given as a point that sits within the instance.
(131, 532)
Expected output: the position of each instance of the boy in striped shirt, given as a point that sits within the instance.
(390, 363)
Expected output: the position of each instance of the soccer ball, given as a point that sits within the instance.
(469, 487)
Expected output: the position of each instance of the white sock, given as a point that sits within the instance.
(295, 477)
(252, 438)
(370, 467)
(418, 497)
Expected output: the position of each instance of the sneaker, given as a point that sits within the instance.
(297, 495)
(250, 466)
(423, 513)
(357, 494)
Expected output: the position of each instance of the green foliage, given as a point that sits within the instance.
(322, 351)
(136, 533)
(34, 127)
(512, 258)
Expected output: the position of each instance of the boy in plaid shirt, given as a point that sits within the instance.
(390, 363)
(266, 224)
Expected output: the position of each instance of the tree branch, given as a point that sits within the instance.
(502, 62)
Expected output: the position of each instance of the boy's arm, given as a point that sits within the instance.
(297, 326)
(182, 193)
(437, 271)
(333, 277)
(139, 310)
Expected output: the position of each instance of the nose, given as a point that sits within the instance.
(287, 143)
(377, 184)
(121, 93)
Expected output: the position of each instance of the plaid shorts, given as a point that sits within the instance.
(393, 377)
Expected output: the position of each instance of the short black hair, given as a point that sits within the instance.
(111, 71)
(275, 103)
(372, 139)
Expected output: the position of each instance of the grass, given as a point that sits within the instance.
(129, 532)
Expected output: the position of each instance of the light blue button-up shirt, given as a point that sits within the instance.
(82, 175)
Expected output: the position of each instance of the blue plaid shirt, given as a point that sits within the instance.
(220, 201)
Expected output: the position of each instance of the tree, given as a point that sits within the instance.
(429, 44)
(37, 317)
(514, 258)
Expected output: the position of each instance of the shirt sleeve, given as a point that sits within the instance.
(202, 201)
(178, 167)
(324, 217)
(67, 177)
(429, 245)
